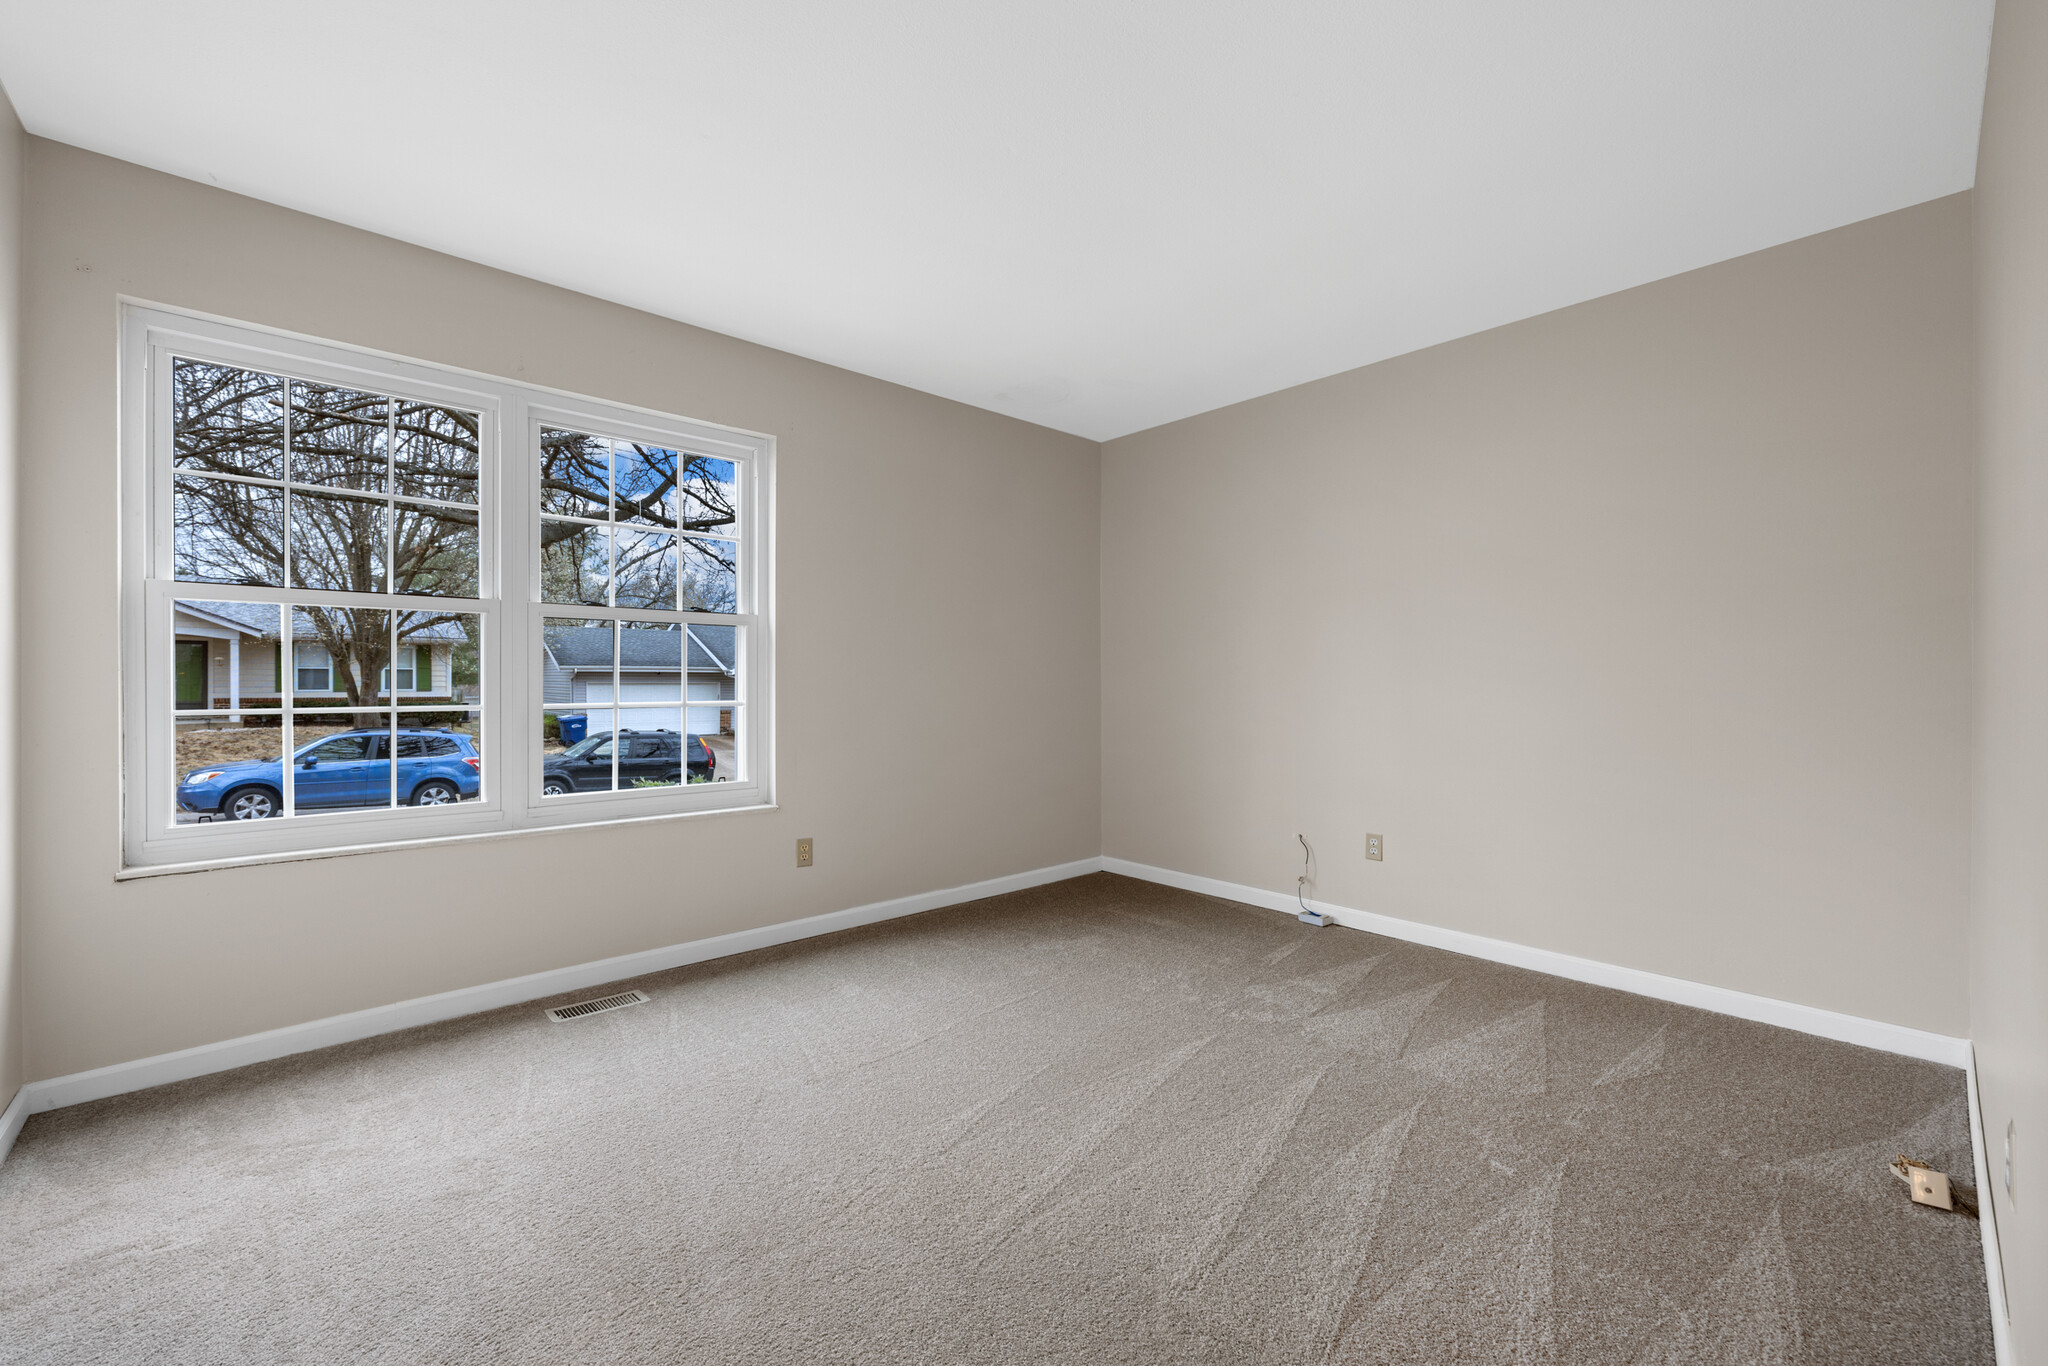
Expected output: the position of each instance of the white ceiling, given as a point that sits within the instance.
(1099, 215)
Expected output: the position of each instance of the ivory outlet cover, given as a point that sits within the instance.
(1931, 1188)
(1373, 850)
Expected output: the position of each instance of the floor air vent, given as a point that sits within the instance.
(582, 1008)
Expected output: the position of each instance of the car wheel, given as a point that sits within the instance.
(555, 787)
(436, 793)
(249, 804)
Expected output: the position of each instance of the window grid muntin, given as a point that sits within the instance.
(264, 481)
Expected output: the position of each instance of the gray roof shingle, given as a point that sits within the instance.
(711, 649)
(260, 619)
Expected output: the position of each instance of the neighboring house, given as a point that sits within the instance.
(228, 658)
(577, 673)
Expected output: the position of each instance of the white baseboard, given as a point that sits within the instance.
(119, 1078)
(11, 1120)
(1987, 1226)
(1828, 1024)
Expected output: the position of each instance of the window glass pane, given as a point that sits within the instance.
(227, 773)
(440, 757)
(436, 552)
(575, 564)
(338, 437)
(714, 674)
(576, 671)
(436, 455)
(227, 723)
(708, 577)
(651, 656)
(720, 737)
(464, 683)
(650, 755)
(644, 484)
(577, 656)
(223, 531)
(337, 542)
(708, 496)
(224, 654)
(575, 471)
(577, 751)
(713, 713)
(357, 641)
(227, 420)
(340, 761)
(433, 648)
(646, 572)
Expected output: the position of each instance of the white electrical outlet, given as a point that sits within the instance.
(1931, 1188)
(1373, 850)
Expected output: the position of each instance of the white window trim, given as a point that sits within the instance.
(509, 580)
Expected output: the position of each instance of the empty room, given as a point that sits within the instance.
(919, 683)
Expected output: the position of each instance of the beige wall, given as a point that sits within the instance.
(1641, 629)
(959, 545)
(12, 142)
(2009, 927)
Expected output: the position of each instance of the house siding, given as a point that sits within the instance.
(258, 664)
(554, 682)
(259, 669)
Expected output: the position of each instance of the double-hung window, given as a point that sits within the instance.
(370, 600)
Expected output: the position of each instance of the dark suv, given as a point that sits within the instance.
(650, 758)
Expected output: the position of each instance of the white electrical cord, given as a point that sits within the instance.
(1308, 915)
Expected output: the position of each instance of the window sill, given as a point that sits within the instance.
(146, 870)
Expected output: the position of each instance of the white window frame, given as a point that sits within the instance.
(509, 583)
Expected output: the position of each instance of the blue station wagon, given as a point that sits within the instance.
(435, 767)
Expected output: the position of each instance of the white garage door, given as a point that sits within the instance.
(648, 718)
(704, 720)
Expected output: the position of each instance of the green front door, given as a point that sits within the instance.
(192, 674)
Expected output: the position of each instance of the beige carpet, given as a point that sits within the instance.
(1097, 1122)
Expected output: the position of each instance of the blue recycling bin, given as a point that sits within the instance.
(573, 727)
